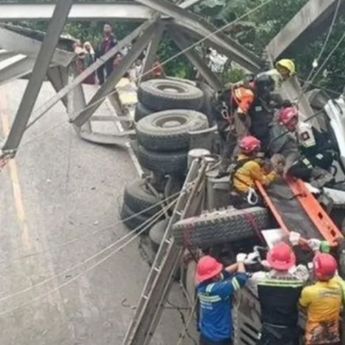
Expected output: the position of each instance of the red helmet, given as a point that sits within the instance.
(281, 257)
(250, 144)
(207, 268)
(325, 266)
(288, 117)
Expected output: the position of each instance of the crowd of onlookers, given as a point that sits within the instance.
(87, 55)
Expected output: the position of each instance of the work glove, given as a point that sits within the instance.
(241, 258)
(294, 238)
(278, 163)
(314, 244)
(252, 258)
(301, 273)
(325, 247)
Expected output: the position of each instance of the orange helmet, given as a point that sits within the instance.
(250, 145)
(207, 268)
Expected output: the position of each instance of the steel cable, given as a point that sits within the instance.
(328, 57)
(150, 221)
(84, 237)
(68, 282)
(331, 27)
(184, 332)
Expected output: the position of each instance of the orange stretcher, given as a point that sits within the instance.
(296, 209)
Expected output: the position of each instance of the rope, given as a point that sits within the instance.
(147, 224)
(252, 221)
(40, 297)
(186, 325)
(328, 57)
(331, 27)
(84, 237)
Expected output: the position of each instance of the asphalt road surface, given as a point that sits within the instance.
(60, 188)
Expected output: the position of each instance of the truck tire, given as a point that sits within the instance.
(141, 111)
(169, 130)
(222, 226)
(134, 221)
(174, 163)
(156, 234)
(139, 198)
(164, 94)
(131, 219)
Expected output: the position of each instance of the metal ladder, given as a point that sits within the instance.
(168, 257)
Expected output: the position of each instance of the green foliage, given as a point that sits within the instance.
(179, 66)
(232, 75)
(253, 31)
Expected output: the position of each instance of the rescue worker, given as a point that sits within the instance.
(240, 109)
(283, 139)
(284, 69)
(279, 291)
(317, 146)
(215, 290)
(323, 303)
(248, 169)
(261, 110)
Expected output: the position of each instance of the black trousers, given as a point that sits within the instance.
(271, 335)
(301, 170)
(203, 341)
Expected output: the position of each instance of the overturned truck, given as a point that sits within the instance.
(203, 220)
(289, 205)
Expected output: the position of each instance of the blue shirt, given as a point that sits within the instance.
(215, 321)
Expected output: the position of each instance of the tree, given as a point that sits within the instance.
(253, 31)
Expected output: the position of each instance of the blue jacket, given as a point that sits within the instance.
(215, 321)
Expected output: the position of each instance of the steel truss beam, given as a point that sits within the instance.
(151, 53)
(4, 55)
(200, 27)
(124, 10)
(17, 43)
(182, 42)
(309, 17)
(91, 69)
(44, 58)
(119, 10)
(76, 100)
(58, 77)
(114, 78)
(16, 69)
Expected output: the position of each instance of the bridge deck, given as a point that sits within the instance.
(59, 188)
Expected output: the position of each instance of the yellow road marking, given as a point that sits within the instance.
(13, 171)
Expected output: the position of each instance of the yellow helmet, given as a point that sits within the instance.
(288, 64)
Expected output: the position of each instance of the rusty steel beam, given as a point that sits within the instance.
(308, 19)
(38, 75)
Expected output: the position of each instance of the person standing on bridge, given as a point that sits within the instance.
(215, 290)
(109, 41)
